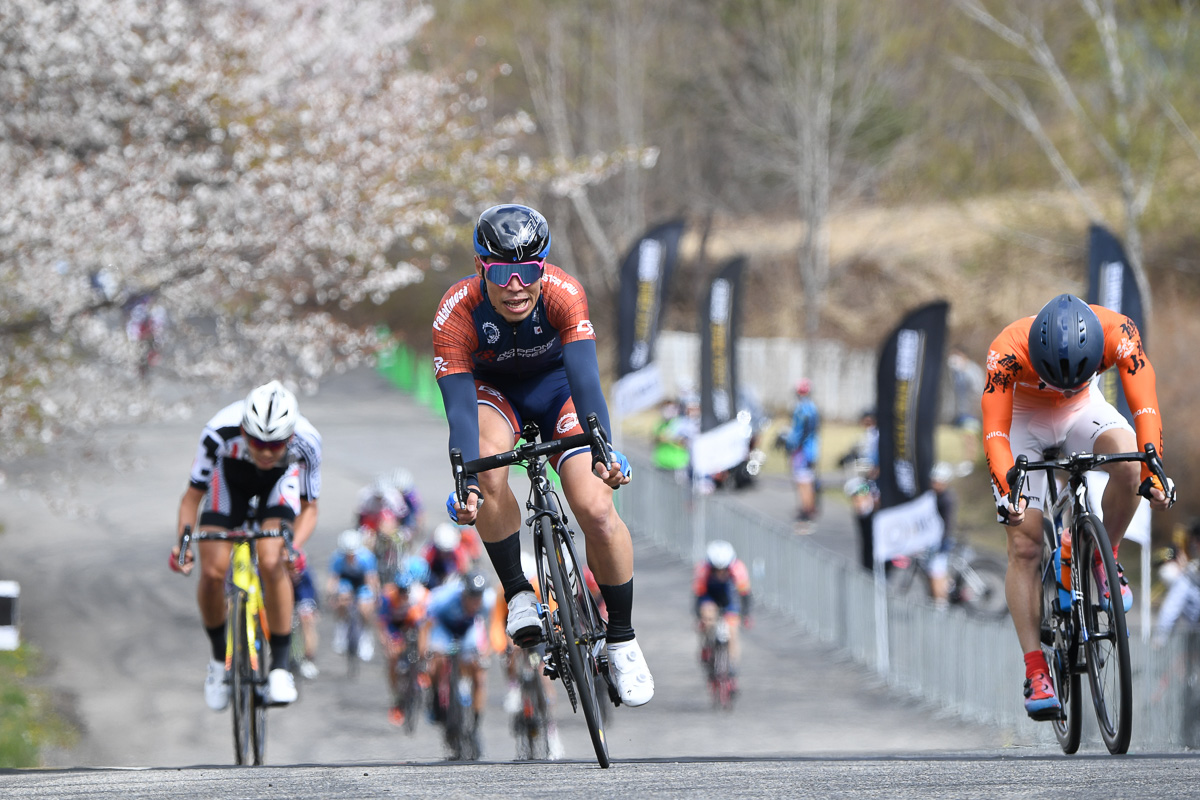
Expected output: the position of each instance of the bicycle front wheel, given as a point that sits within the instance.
(1106, 638)
(241, 679)
(1058, 645)
(258, 720)
(568, 584)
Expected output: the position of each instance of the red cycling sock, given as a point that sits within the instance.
(1035, 662)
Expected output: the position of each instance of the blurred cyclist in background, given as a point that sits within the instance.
(457, 618)
(354, 587)
(722, 588)
(402, 608)
(446, 554)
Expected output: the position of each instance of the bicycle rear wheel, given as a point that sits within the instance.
(241, 680)
(980, 587)
(1106, 641)
(568, 585)
(1058, 647)
(722, 681)
(258, 720)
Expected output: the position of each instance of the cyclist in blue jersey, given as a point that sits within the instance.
(457, 617)
(354, 585)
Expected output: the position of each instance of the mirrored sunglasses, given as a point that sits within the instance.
(527, 272)
(270, 447)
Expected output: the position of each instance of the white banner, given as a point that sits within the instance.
(638, 390)
(721, 448)
(907, 528)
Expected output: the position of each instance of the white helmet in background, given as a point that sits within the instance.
(720, 554)
(446, 536)
(349, 540)
(403, 480)
(270, 413)
(942, 472)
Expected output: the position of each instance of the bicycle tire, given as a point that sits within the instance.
(410, 686)
(722, 683)
(1106, 642)
(986, 600)
(529, 721)
(580, 659)
(1058, 647)
(241, 688)
(258, 719)
(353, 634)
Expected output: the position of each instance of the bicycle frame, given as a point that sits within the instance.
(573, 629)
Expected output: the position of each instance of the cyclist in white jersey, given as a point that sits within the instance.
(256, 450)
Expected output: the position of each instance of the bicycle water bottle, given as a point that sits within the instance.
(1064, 596)
(1065, 567)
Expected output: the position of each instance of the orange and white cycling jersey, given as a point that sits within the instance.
(1012, 378)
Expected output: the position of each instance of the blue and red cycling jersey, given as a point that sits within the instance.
(727, 590)
(534, 368)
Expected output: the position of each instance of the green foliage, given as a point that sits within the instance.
(27, 720)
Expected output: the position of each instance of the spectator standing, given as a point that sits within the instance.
(803, 446)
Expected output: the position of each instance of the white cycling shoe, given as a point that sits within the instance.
(524, 623)
(281, 688)
(628, 669)
(216, 689)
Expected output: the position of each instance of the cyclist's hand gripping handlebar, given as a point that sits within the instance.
(181, 557)
(1016, 482)
(1158, 478)
(458, 500)
(605, 457)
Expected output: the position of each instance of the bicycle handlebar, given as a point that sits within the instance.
(594, 438)
(239, 535)
(1079, 463)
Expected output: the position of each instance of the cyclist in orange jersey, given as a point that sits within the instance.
(1040, 393)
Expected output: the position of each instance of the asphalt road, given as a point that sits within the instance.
(125, 658)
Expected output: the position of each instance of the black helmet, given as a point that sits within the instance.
(512, 233)
(474, 584)
(1066, 342)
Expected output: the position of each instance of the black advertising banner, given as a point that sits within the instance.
(1111, 284)
(645, 277)
(908, 393)
(719, 326)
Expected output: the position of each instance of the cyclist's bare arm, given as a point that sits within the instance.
(305, 523)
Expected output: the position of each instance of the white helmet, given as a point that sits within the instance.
(271, 412)
(402, 479)
(942, 472)
(720, 554)
(349, 540)
(446, 536)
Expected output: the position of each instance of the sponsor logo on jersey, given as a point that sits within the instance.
(1145, 410)
(448, 306)
(491, 332)
(528, 352)
(566, 422)
(585, 326)
(439, 365)
(566, 285)
(1126, 348)
(993, 360)
(494, 392)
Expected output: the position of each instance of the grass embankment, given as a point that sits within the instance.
(28, 721)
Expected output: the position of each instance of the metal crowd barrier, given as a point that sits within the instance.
(957, 664)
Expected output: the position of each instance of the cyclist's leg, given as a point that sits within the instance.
(1100, 428)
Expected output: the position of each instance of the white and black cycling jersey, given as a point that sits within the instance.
(222, 439)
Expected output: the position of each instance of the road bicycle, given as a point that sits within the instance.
(976, 583)
(247, 654)
(455, 710)
(572, 629)
(717, 665)
(1083, 617)
(409, 668)
(531, 720)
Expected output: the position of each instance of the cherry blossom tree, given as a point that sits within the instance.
(255, 168)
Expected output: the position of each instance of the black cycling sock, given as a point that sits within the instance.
(281, 650)
(506, 560)
(619, 600)
(216, 637)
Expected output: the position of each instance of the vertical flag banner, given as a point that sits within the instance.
(908, 392)
(645, 279)
(725, 440)
(1111, 284)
